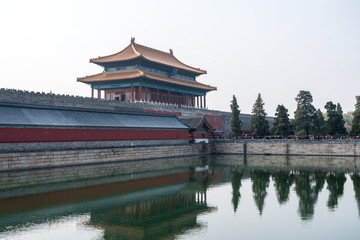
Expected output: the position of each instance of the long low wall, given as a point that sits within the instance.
(288, 147)
(34, 160)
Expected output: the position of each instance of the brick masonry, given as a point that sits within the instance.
(11, 161)
(289, 147)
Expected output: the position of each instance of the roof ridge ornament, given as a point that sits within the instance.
(171, 52)
(132, 40)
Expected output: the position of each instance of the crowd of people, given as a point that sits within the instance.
(249, 136)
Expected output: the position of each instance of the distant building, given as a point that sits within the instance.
(140, 73)
(200, 128)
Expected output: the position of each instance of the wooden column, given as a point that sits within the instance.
(146, 91)
(140, 93)
(99, 93)
(158, 95)
(132, 94)
(169, 96)
(193, 101)
(197, 100)
(183, 99)
(205, 101)
(92, 93)
(201, 102)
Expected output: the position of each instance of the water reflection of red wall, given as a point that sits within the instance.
(53, 198)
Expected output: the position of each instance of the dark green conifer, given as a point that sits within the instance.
(335, 122)
(331, 123)
(319, 124)
(282, 125)
(304, 114)
(355, 131)
(340, 128)
(235, 121)
(259, 124)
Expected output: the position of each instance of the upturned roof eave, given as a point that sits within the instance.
(136, 73)
(138, 54)
(204, 121)
(99, 60)
(208, 88)
(198, 72)
(83, 79)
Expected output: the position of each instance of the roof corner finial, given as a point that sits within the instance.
(171, 52)
(132, 40)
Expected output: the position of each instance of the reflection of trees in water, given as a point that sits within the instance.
(356, 183)
(335, 182)
(308, 186)
(236, 184)
(260, 182)
(282, 183)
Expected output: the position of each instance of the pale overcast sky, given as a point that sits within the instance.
(275, 48)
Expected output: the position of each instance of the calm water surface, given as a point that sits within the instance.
(221, 197)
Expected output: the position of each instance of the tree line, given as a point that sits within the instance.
(307, 120)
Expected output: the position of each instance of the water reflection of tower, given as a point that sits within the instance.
(166, 213)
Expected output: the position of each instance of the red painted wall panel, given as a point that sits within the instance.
(198, 135)
(13, 135)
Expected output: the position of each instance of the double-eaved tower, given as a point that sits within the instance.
(140, 73)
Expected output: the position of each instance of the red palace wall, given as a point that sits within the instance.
(14, 135)
(198, 135)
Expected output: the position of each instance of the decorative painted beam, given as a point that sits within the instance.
(154, 86)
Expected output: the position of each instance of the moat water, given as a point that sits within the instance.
(211, 197)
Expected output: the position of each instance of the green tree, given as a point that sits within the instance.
(331, 123)
(340, 128)
(319, 124)
(259, 124)
(335, 123)
(282, 125)
(235, 121)
(355, 131)
(304, 114)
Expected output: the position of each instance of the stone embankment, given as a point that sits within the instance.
(20, 160)
(288, 147)
(11, 161)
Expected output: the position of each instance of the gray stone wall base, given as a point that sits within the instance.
(61, 146)
(12, 161)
